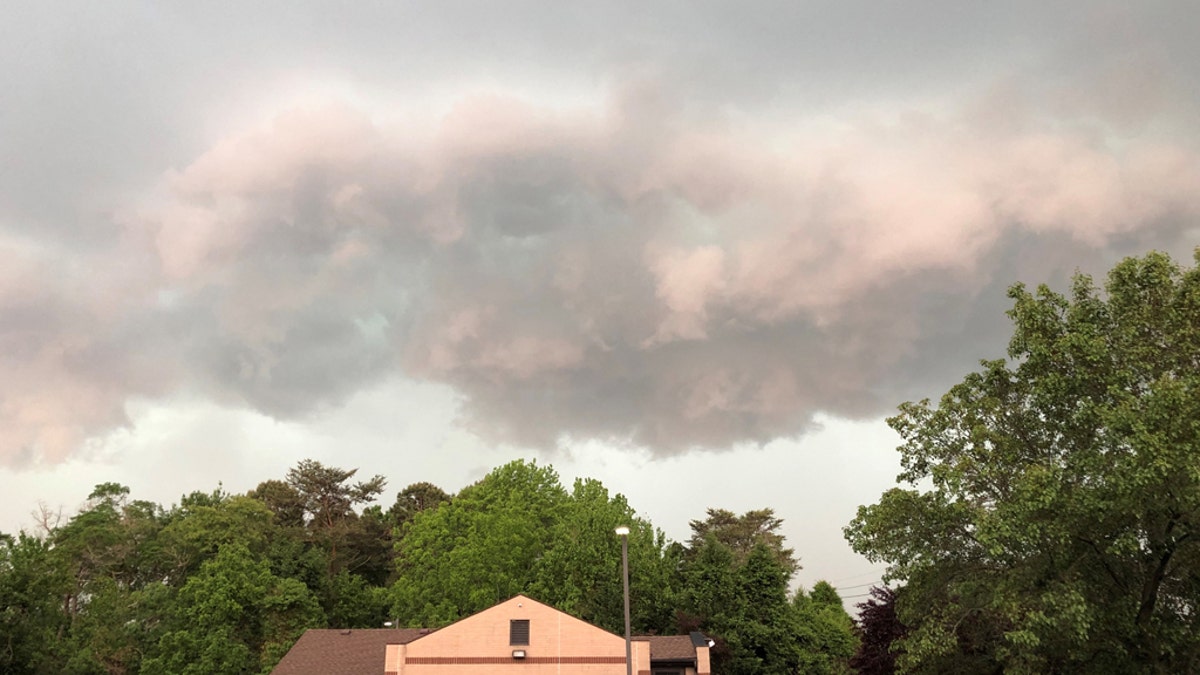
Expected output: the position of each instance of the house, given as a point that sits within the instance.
(519, 635)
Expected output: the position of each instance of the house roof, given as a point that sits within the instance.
(672, 648)
(331, 651)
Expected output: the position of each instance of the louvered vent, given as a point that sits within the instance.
(518, 632)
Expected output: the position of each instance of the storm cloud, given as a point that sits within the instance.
(678, 253)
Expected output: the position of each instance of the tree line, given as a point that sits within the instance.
(225, 583)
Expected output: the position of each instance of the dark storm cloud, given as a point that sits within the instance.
(750, 219)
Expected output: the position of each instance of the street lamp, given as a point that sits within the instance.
(623, 533)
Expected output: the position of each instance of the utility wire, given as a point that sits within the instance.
(869, 583)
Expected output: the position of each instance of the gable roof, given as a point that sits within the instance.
(669, 648)
(331, 651)
(521, 597)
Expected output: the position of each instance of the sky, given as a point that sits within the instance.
(696, 250)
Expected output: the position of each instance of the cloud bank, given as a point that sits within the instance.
(653, 266)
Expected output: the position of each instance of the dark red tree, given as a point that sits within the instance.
(878, 629)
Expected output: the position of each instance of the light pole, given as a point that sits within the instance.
(623, 533)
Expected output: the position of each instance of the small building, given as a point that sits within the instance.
(519, 635)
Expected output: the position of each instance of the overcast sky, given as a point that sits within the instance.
(696, 250)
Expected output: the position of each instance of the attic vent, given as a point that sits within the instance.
(518, 632)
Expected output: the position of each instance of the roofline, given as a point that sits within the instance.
(526, 597)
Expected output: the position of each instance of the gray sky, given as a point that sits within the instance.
(696, 250)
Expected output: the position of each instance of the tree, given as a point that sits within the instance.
(414, 499)
(284, 500)
(33, 581)
(742, 533)
(233, 616)
(206, 522)
(827, 639)
(1055, 528)
(326, 496)
(580, 572)
(479, 549)
(329, 503)
(742, 603)
(879, 628)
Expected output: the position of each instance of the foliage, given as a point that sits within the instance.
(580, 572)
(225, 583)
(325, 495)
(33, 580)
(743, 533)
(743, 604)
(233, 616)
(479, 549)
(879, 629)
(414, 499)
(1051, 526)
(827, 639)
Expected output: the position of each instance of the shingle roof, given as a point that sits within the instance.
(669, 647)
(331, 651)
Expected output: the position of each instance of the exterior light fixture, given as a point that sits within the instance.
(518, 653)
(623, 532)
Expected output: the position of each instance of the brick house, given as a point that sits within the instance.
(519, 635)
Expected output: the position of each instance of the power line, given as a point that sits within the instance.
(869, 583)
(874, 573)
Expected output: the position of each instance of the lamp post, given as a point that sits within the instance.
(623, 533)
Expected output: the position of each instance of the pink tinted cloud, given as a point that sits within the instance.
(631, 271)
(729, 235)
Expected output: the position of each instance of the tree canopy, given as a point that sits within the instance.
(1051, 522)
(223, 583)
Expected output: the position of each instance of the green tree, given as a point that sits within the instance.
(1051, 526)
(826, 637)
(233, 616)
(479, 549)
(742, 603)
(285, 502)
(203, 523)
(580, 572)
(329, 500)
(743, 533)
(33, 581)
(112, 538)
(327, 497)
(414, 499)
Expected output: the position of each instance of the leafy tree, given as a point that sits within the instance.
(113, 628)
(743, 605)
(370, 544)
(879, 629)
(233, 616)
(284, 500)
(481, 548)
(327, 498)
(329, 502)
(580, 573)
(414, 499)
(1055, 528)
(33, 581)
(743, 533)
(827, 639)
(206, 522)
